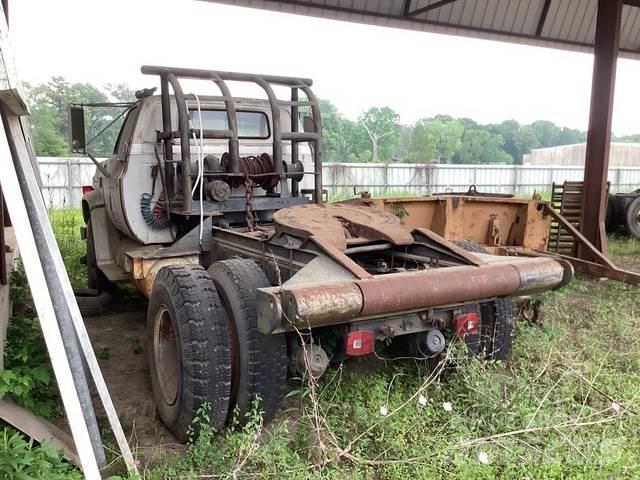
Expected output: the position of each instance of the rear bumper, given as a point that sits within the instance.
(319, 304)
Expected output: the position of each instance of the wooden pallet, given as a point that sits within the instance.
(566, 199)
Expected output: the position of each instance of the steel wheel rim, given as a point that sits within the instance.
(165, 348)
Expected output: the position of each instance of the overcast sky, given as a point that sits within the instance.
(354, 66)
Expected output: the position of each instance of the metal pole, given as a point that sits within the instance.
(277, 135)
(166, 129)
(599, 135)
(294, 145)
(317, 150)
(232, 124)
(185, 146)
(37, 216)
(46, 313)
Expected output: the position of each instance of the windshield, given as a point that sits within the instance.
(251, 124)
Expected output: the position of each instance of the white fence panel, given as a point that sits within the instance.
(63, 178)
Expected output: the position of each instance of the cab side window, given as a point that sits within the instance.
(251, 124)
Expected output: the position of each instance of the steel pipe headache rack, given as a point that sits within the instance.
(169, 77)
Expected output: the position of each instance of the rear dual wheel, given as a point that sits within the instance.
(205, 347)
(632, 217)
(497, 320)
(189, 348)
(259, 362)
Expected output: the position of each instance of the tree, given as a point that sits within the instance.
(570, 136)
(381, 127)
(120, 92)
(422, 149)
(628, 138)
(403, 146)
(446, 134)
(47, 139)
(546, 132)
(50, 115)
(334, 135)
(481, 146)
(518, 139)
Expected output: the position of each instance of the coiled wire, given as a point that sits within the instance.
(154, 214)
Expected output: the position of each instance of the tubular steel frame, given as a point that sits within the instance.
(169, 77)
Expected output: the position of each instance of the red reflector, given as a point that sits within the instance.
(361, 342)
(86, 189)
(467, 324)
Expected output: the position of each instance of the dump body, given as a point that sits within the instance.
(485, 220)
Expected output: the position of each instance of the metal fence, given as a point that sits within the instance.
(382, 178)
(63, 178)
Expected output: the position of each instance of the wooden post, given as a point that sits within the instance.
(599, 135)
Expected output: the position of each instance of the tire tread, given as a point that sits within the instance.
(204, 344)
(264, 357)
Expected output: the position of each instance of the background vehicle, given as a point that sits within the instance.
(213, 206)
(624, 209)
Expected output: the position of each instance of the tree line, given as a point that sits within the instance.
(376, 136)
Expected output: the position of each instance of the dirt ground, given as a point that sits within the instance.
(118, 339)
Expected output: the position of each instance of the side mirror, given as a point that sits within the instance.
(76, 116)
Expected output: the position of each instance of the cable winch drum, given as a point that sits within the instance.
(259, 169)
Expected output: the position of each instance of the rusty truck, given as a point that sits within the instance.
(213, 206)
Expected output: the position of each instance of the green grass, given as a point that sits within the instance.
(66, 225)
(620, 247)
(564, 406)
(28, 377)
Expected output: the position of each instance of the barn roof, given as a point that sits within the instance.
(564, 24)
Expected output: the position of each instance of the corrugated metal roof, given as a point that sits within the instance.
(564, 24)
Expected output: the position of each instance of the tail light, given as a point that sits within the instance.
(361, 342)
(86, 189)
(467, 324)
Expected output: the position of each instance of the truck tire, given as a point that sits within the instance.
(497, 318)
(259, 362)
(92, 302)
(188, 345)
(611, 220)
(632, 217)
(96, 280)
(497, 327)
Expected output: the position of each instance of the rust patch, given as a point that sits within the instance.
(309, 305)
(442, 286)
(340, 222)
(146, 270)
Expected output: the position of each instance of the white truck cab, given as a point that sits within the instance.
(136, 154)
